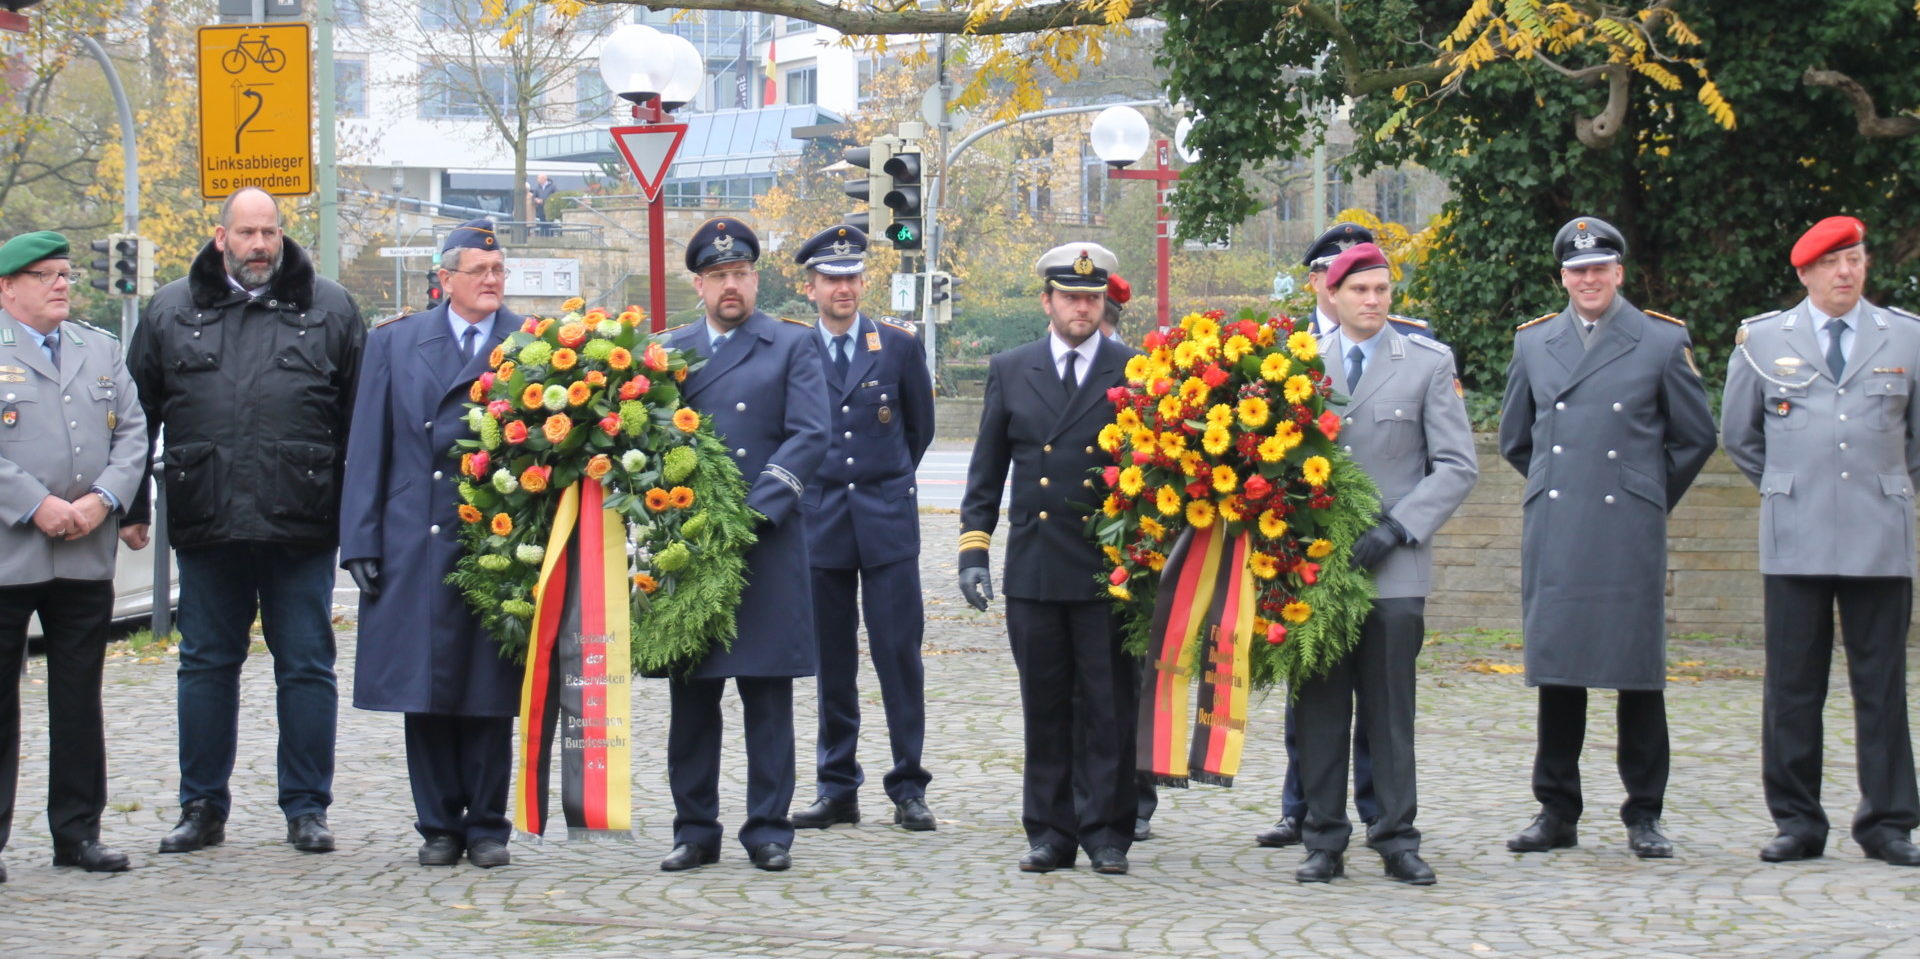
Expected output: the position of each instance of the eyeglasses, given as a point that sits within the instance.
(725, 277)
(486, 273)
(49, 277)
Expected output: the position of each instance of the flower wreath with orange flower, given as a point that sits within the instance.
(1225, 423)
(593, 396)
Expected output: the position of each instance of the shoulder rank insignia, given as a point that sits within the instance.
(1740, 336)
(1903, 313)
(1535, 320)
(1687, 352)
(391, 319)
(1670, 319)
(789, 319)
(676, 329)
(1409, 320)
(910, 331)
(89, 327)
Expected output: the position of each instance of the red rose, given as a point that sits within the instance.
(1308, 572)
(530, 324)
(516, 431)
(1257, 487)
(1112, 475)
(1152, 340)
(610, 425)
(1249, 329)
(1276, 634)
(499, 409)
(1141, 459)
(1118, 576)
(1214, 376)
(1197, 489)
(1330, 424)
(486, 381)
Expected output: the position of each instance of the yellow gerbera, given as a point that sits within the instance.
(1110, 437)
(1186, 354)
(1132, 481)
(1272, 524)
(1113, 553)
(1142, 440)
(1111, 507)
(1194, 391)
(1203, 328)
(1298, 387)
(1219, 415)
(1236, 347)
(1275, 367)
(1303, 346)
(1289, 435)
(1138, 368)
(1199, 514)
(1216, 440)
(1320, 549)
(1170, 407)
(1230, 509)
(1316, 470)
(1167, 501)
(1172, 443)
(1153, 560)
(1263, 565)
(1266, 337)
(1271, 449)
(1127, 419)
(1192, 464)
(1151, 528)
(1296, 612)
(1225, 480)
(1254, 412)
(1120, 593)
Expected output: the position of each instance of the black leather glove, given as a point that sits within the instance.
(366, 575)
(976, 584)
(1374, 545)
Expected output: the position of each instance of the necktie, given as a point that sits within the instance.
(1356, 364)
(718, 342)
(1836, 360)
(841, 361)
(52, 346)
(1069, 380)
(469, 340)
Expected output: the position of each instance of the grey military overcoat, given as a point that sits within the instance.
(1609, 439)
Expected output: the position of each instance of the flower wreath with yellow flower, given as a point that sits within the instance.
(1226, 421)
(592, 396)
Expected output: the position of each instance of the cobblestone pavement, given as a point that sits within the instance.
(1199, 888)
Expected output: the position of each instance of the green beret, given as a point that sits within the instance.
(29, 248)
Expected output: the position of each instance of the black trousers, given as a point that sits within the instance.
(1077, 698)
(1379, 671)
(889, 596)
(460, 768)
(693, 760)
(73, 619)
(1642, 753)
(1874, 614)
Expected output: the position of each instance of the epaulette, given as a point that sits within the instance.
(109, 334)
(1537, 319)
(1676, 321)
(1760, 316)
(391, 319)
(676, 329)
(1412, 320)
(788, 319)
(1895, 309)
(910, 331)
(1740, 335)
(1430, 343)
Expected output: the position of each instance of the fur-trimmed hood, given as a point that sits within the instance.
(292, 284)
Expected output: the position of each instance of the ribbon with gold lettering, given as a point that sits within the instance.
(578, 670)
(1210, 602)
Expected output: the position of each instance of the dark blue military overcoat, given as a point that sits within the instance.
(768, 400)
(863, 509)
(421, 650)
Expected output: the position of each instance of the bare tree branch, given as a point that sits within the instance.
(1601, 130)
(1872, 124)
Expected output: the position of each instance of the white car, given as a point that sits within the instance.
(132, 587)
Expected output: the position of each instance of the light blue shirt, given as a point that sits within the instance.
(1825, 338)
(459, 325)
(714, 334)
(1345, 346)
(40, 339)
(852, 334)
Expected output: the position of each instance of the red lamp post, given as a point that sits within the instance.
(659, 73)
(1119, 137)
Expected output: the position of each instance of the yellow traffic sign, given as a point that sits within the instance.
(256, 109)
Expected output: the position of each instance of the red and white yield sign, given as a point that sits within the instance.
(649, 151)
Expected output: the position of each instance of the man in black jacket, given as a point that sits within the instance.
(249, 363)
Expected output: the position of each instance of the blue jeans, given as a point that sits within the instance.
(291, 588)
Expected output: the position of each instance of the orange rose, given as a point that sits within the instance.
(596, 378)
(657, 499)
(599, 466)
(529, 324)
(477, 392)
(645, 583)
(620, 358)
(502, 524)
(680, 497)
(686, 419)
(540, 329)
(557, 427)
(573, 334)
(579, 393)
(631, 316)
(515, 432)
(655, 357)
(499, 353)
(533, 479)
(634, 388)
(468, 514)
(532, 396)
(563, 359)
(680, 375)
(466, 464)
(572, 303)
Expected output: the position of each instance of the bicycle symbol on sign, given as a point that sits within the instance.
(254, 49)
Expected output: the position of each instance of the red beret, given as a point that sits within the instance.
(1360, 256)
(1118, 289)
(1828, 235)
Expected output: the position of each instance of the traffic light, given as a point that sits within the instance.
(123, 270)
(434, 293)
(940, 295)
(870, 188)
(141, 249)
(904, 197)
(103, 263)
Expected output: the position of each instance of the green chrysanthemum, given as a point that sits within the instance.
(517, 608)
(476, 414)
(489, 433)
(633, 461)
(597, 350)
(555, 398)
(633, 417)
(467, 492)
(494, 563)
(530, 553)
(536, 353)
(608, 327)
(673, 558)
(692, 528)
(504, 481)
(680, 462)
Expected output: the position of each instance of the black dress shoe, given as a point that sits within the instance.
(909, 814)
(1108, 861)
(1407, 866)
(1785, 848)
(91, 856)
(826, 812)
(489, 853)
(1322, 865)
(1043, 859)
(1645, 840)
(3, 872)
(1547, 831)
(440, 851)
(686, 856)
(1286, 832)
(309, 833)
(202, 824)
(1142, 830)
(772, 857)
(1897, 852)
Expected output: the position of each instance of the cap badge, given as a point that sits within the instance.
(1083, 265)
(1346, 243)
(1584, 241)
(841, 247)
(722, 243)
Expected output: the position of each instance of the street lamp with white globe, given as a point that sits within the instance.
(1120, 136)
(658, 72)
